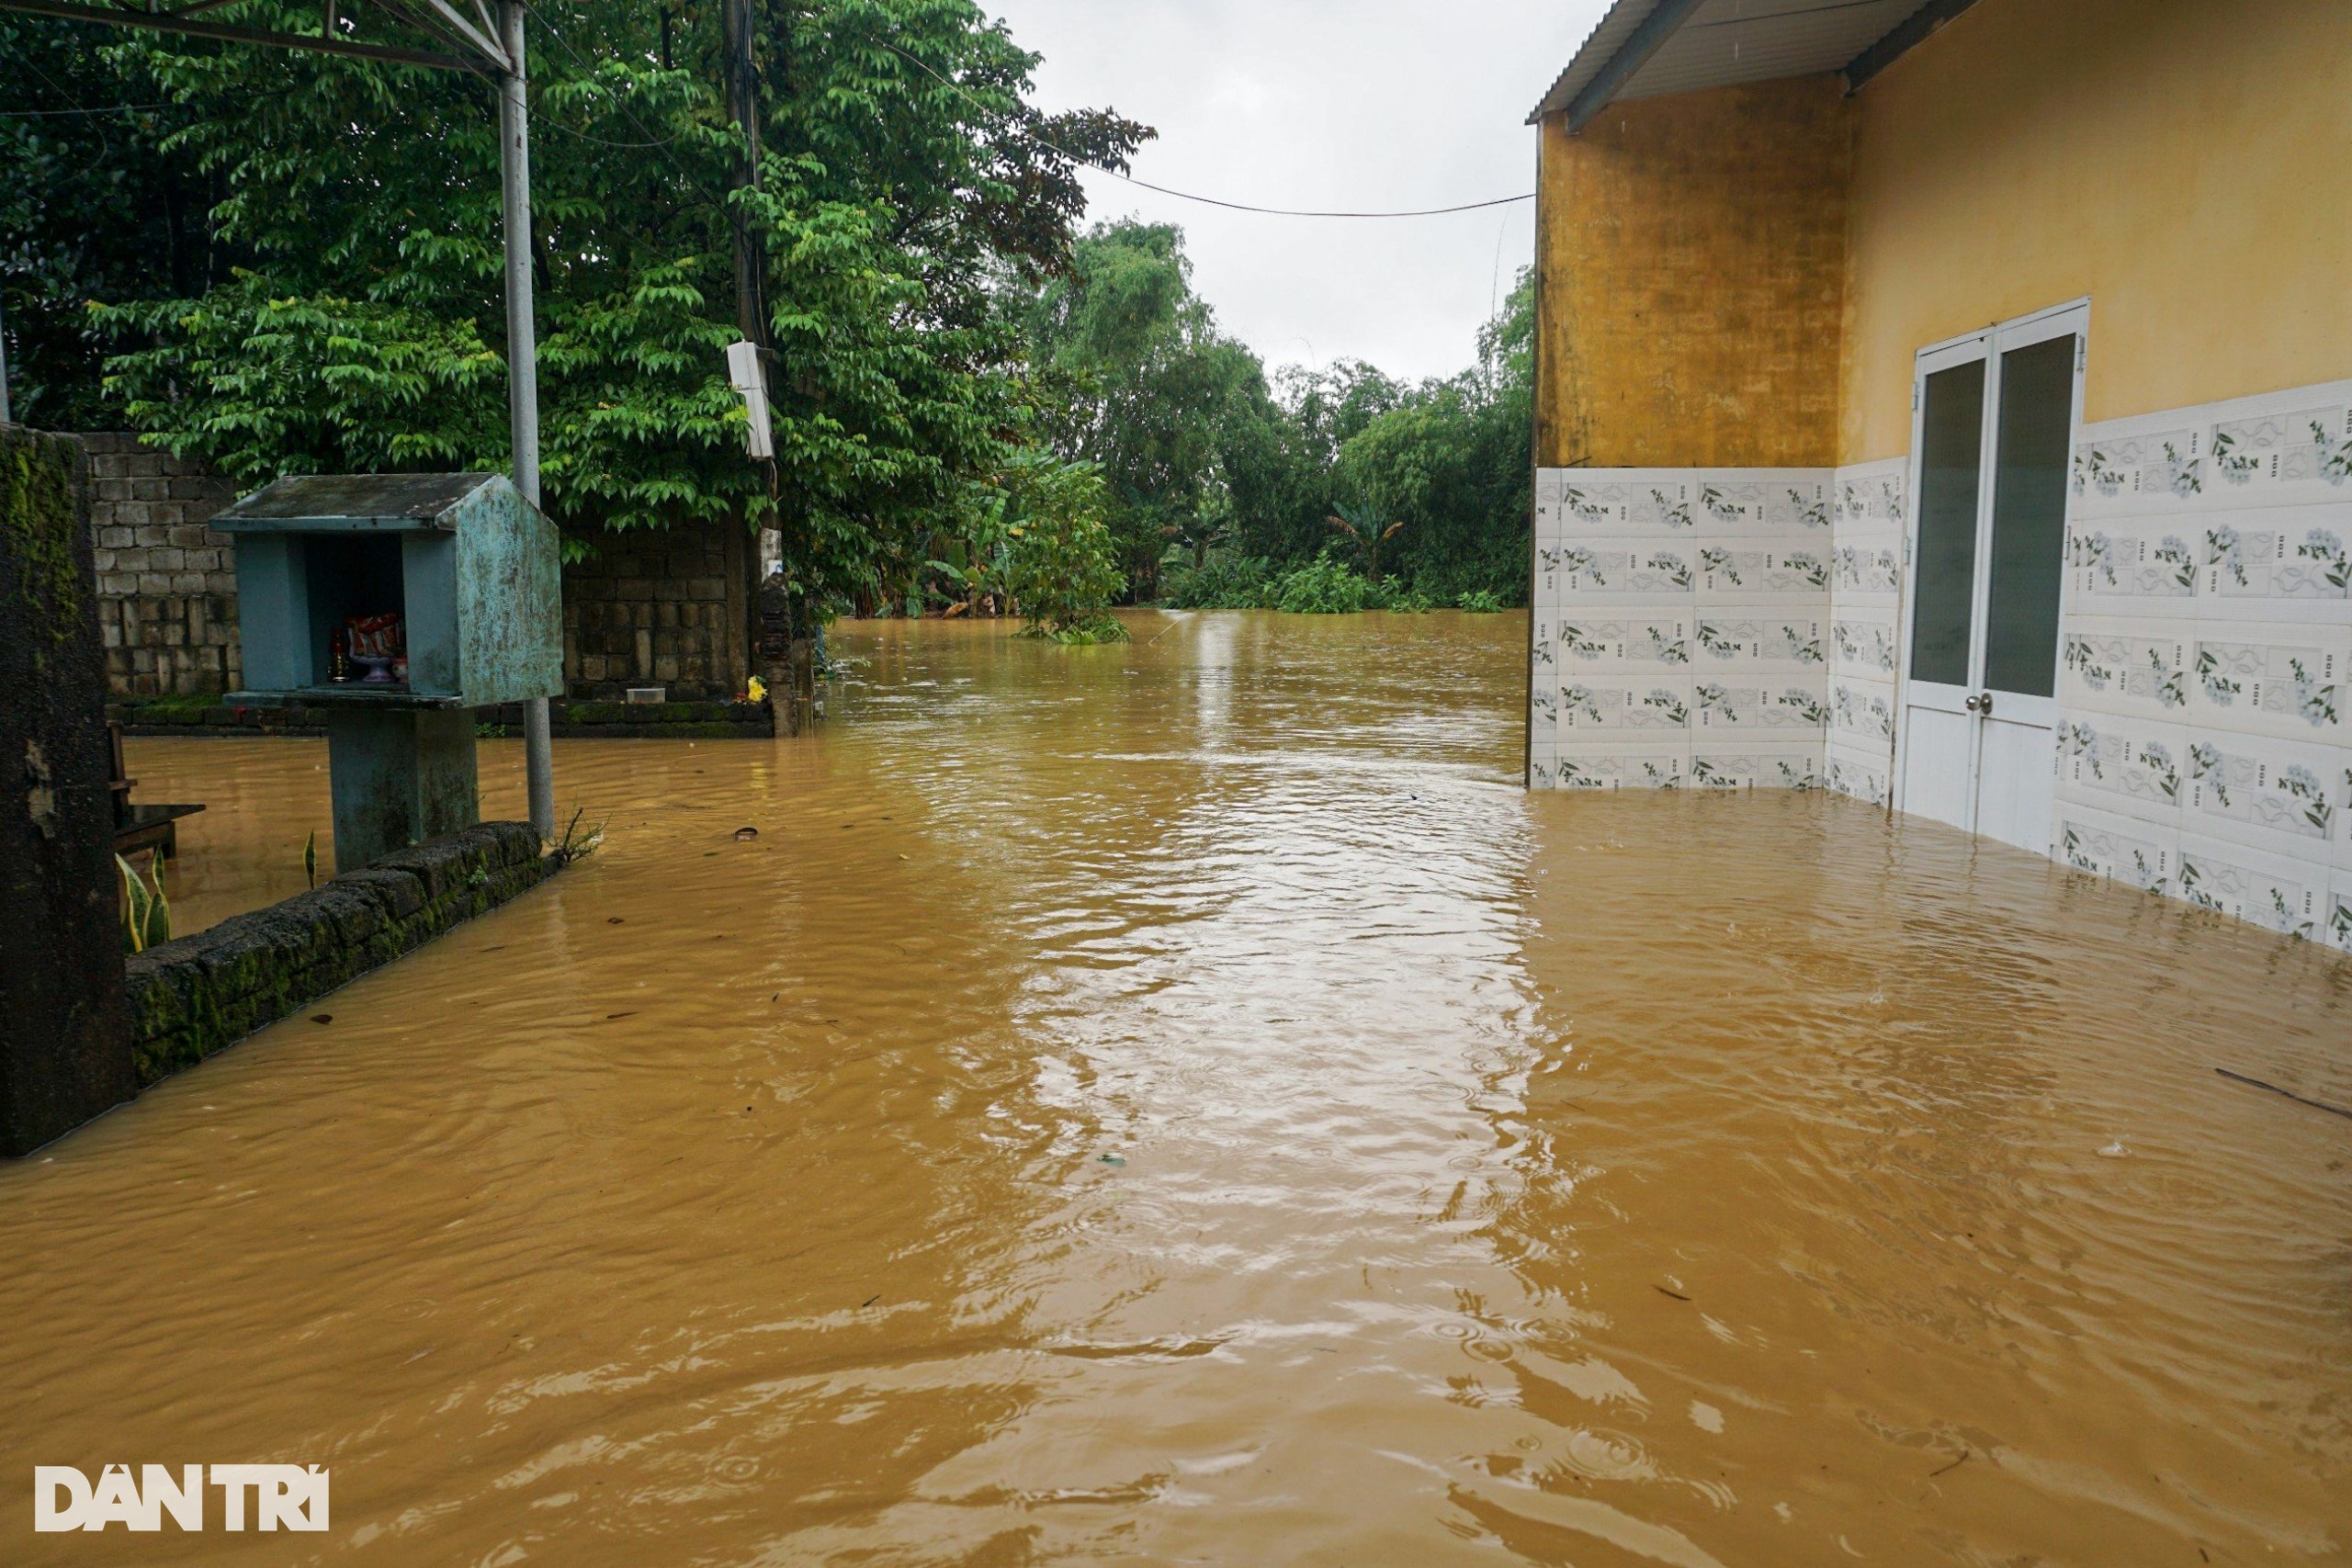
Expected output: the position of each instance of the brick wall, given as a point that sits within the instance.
(167, 583)
(661, 609)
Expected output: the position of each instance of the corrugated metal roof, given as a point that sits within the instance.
(1723, 42)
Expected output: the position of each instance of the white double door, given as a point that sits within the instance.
(1993, 431)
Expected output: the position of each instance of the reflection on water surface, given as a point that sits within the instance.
(1185, 1104)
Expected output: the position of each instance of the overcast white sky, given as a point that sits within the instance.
(1356, 103)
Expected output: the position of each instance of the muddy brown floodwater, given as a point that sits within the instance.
(1184, 1103)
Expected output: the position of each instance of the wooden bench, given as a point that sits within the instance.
(137, 827)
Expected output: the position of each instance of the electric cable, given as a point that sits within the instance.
(1025, 134)
(661, 144)
(54, 114)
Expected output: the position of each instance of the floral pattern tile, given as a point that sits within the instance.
(2129, 669)
(2133, 768)
(1734, 767)
(2275, 796)
(2287, 680)
(1858, 772)
(2277, 895)
(2142, 854)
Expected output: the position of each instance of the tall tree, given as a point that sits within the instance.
(902, 169)
(1139, 381)
(1452, 459)
(91, 208)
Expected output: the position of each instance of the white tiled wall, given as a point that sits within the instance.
(1683, 633)
(2207, 658)
(1869, 523)
(1739, 628)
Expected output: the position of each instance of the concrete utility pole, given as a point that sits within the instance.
(743, 108)
(522, 361)
(770, 640)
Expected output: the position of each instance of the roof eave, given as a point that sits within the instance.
(1649, 24)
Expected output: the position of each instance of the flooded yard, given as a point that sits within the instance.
(1185, 1104)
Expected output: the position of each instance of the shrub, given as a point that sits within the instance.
(1220, 582)
(1324, 587)
(1478, 602)
(1060, 562)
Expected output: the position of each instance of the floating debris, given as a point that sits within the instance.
(745, 835)
(323, 1018)
(2284, 1093)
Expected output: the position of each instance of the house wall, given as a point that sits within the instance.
(2167, 159)
(1681, 621)
(2206, 659)
(1690, 257)
(2177, 162)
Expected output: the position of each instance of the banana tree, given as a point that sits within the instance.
(1361, 524)
(1210, 523)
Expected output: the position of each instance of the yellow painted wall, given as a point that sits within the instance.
(1692, 255)
(2187, 164)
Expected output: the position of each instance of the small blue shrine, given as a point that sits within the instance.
(392, 603)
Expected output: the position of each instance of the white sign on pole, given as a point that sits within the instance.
(743, 370)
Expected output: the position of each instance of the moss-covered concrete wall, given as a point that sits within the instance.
(62, 1054)
(192, 997)
(572, 721)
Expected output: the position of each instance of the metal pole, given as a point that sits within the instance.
(523, 362)
(4, 366)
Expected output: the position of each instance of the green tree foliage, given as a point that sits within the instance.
(1059, 561)
(905, 175)
(1453, 461)
(1132, 375)
(1231, 489)
(91, 208)
(1368, 529)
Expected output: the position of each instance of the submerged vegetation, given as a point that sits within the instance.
(293, 266)
(1059, 572)
(146, 912)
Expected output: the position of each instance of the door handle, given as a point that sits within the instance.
(1982, 703)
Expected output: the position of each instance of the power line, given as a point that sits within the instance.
(588, 74)
(1299, 212)
(53, 114)
(554, 124)
(957, 88)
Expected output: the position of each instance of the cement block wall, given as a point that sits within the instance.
(661, 609)
(167, 583)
